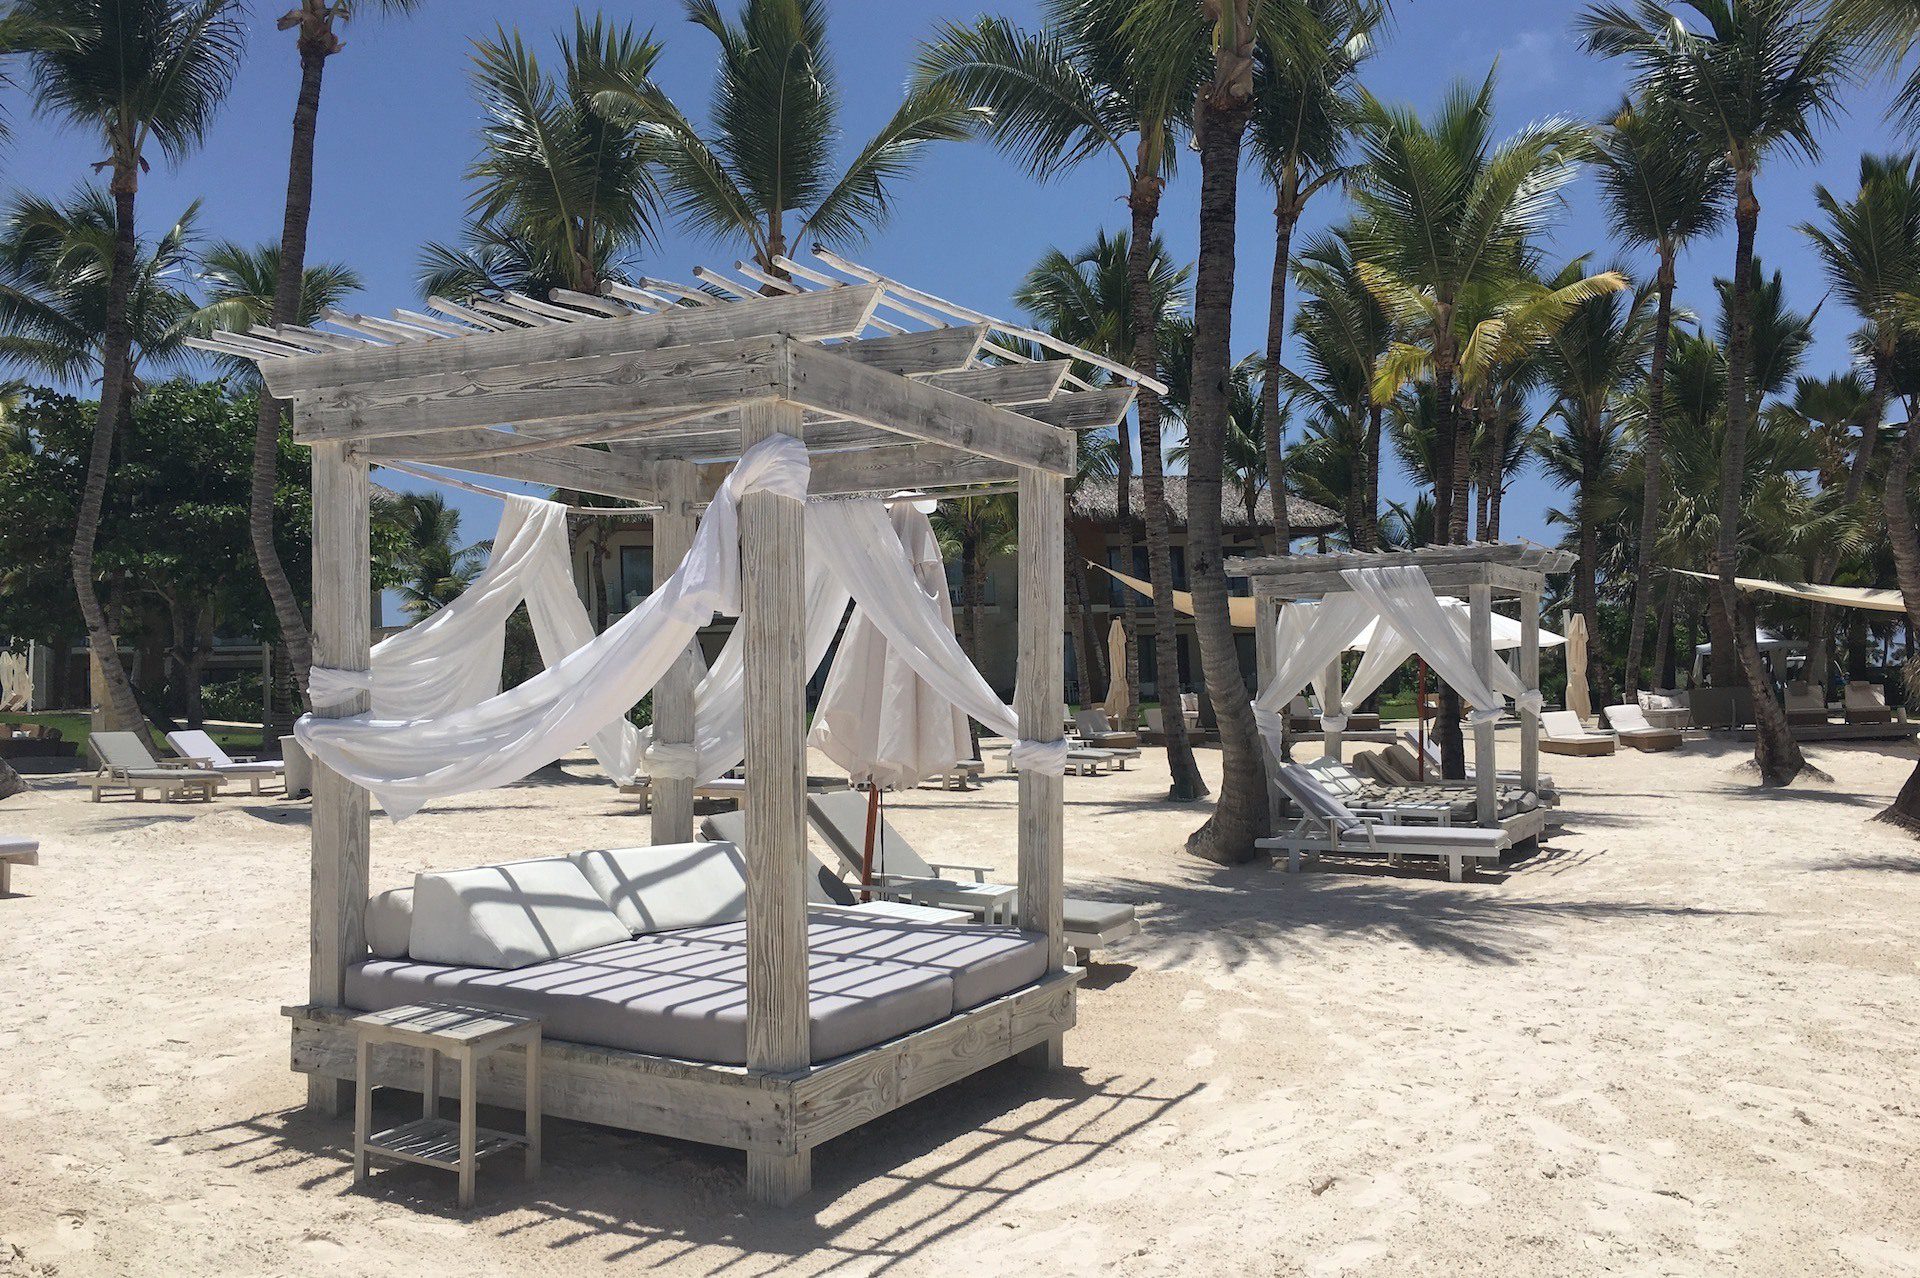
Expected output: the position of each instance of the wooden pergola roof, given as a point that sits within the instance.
(1510, 568)
(901, 388)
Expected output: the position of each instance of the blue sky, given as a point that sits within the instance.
(398, 127)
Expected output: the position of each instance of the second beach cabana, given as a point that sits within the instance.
(1401, 590)
(782, 408)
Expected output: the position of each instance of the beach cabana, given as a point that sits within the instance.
(836, 383)
(1403, 589)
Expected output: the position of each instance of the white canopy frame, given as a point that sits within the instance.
(1481, 571)
(650, 393)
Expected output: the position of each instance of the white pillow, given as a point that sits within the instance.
(389, 920)
(675, 885)
(508, 915)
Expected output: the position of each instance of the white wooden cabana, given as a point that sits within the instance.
(651, 392)
(1481, 572)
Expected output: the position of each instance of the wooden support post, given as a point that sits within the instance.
(671, 798)
(1480, 602)
(342, 635)
(1040, 690)
(773, 591)
(1331, 709)
(1530, 676)
(1266, 659)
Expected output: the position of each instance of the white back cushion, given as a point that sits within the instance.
(674, 885)
(508, 915)
(1563, 725)
(389, 923)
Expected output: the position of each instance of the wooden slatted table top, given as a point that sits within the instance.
(446, 1025)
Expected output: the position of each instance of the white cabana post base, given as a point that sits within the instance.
(888, 388)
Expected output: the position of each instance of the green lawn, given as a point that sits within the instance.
(73, 727)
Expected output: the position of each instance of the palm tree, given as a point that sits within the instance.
(975, 531)
(1887, 31)
(1663, 196)
(1302, 119)
(239, 283)
(1244, 453)
(1870, 247)
(775, 124)
(293, 301)
(139, 74)
(1447, 214)
(1828, 410)
(1094, 84)
(1086, 299)
(433, 567)
(1343, 334)
(56, 260)
(564, 193)
(1591, 361)
(1755, 80)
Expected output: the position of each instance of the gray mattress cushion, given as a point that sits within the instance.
(1082, 915)
(668, 996)
(982, 962)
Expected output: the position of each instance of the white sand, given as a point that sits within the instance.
(1685, 1039)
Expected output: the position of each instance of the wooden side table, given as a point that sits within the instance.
(465, 1034)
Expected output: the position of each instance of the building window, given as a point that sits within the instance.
(956, 586)
(1178, 556)
(636, 576)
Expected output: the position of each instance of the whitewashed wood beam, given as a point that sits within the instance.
(831, 383)
(884, 469)
(581, 469)
(486, 323)
(1038, 697)
(1084, 410)
(588, 302)
(811, 316)
(671, 798)
(667, 382)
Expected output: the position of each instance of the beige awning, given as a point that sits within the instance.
(1839, 596)
(1239, 607)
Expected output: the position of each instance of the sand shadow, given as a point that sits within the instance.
(612, 1196)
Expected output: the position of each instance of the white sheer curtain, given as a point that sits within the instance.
(1307, 639)
(855, 539)
(408, 762)
(1404, 600)
(877, 718)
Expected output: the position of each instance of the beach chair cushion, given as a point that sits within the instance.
(1305, 790)
(1628, 719)
(1464, 837)
(390, 923)
(17, 845)
(195, 744)
(668, 996)
(509, 916)
(657, 889)
(121, 750)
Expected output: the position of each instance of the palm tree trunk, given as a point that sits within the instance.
(969, 600)
(287, 300)
(1586, 585)
(1663, 638)
(1774, 750)
(1453, 747)
(1652, 486)
(1080, 624)
(116, 388)
(1186, 784)
(1820, 636)
(1240, 817)
(1286, 215)
(1897, 506)
(10, 782)
(1371, 466)
(1462, 479)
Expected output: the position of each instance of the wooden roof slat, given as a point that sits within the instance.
(574, 466)
(588, 302)
(809, 316)
(1084, 410)
(479, 319)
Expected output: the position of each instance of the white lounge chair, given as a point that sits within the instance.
(825, 889)
(1549, 792)
(1866, 703)
(1561, 732)
(15, 849)
(1097, 731)
(841, 820)
(127, 766)
(1328, 825)
(1630, 723)
(198, 747)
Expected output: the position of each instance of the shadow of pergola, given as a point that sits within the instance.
(882, 1193)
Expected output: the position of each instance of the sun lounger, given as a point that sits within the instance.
(1098, 732)
(825, 889)
(1806, 705)
(1404, 757)
(127, 766)
(841, 820)
(15, 850)
(963, 772)
(1328, 825)
(201, 748)
(1630, 722)
(1673, 708)
(1385, 791)
(1866, 703)
(1561, 732)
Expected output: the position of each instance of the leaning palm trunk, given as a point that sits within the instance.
(1241, 814)
(315, 44)
(1185, 783)
(1652, 486)
(10, 782)
(1820, 633)
(116, 385)
(1905, 809)
(1286, 214)
(1774, 749)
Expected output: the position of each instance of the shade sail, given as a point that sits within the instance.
(1239, 607)
(1839, 596)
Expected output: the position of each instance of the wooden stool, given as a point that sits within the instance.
(467, 1034)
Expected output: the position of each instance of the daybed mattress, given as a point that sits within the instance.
(683, 993)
